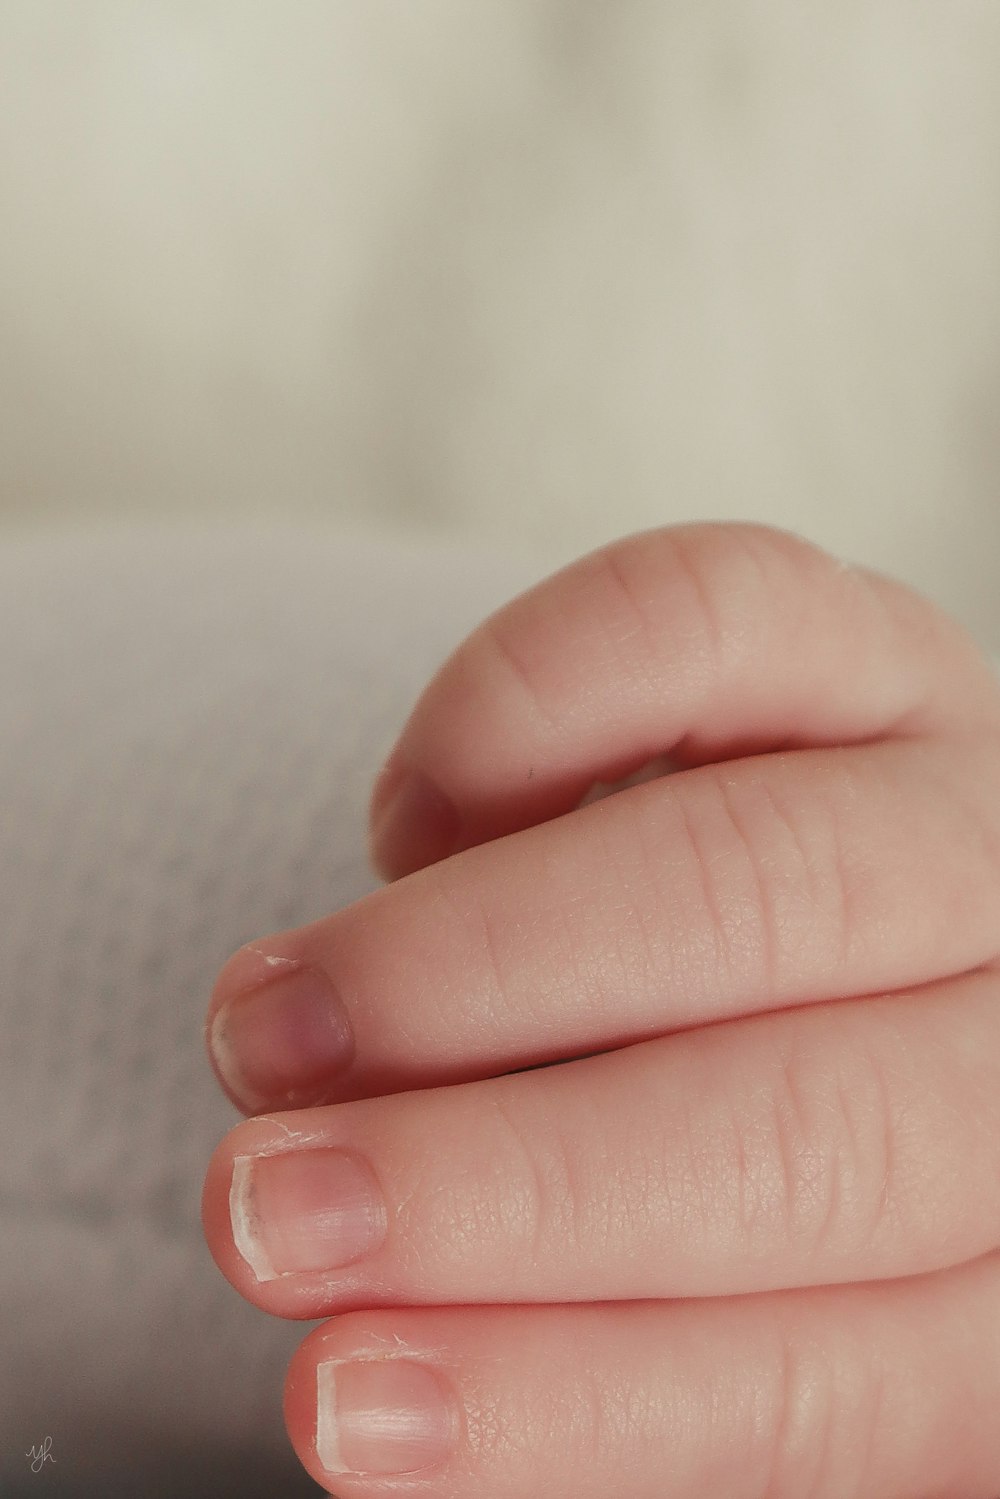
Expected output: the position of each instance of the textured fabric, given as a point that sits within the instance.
(192, 723)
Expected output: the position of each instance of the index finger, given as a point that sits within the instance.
(696, 643)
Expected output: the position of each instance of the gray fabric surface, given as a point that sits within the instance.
(192, 722)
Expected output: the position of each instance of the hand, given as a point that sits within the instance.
(539, 1279)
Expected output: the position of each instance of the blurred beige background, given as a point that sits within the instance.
(543, 270)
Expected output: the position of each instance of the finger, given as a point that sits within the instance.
(701, 643)
(843, 1143)
(838, 1393)
(778, 880)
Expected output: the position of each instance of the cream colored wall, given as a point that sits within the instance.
(549, 270)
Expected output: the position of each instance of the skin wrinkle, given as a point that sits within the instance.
(834, 1209)
(579, 1211)
(806, 1425)
(492, 1002)
(793, 1136)
(488, 947)
(810, 869)
(583, 983)
(873, 1411)
(685, 1197)
(859, 1138)
(614, 567)
(505, 653)
(765, 908)
(847, 922)
(627, 973)
(890, 1145)
(806, 856)
(717, 924)
(784, 1387)
(539, 1192)
(743, 1218)
(630, 912)
(827, 1423)
(687, 558)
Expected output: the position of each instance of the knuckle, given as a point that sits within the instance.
(694, 585)
(831, 1158)
(758, 905)
(587, 1418)
(509, 648)
(799, 1189)
(819, 1411)
(741, 566)
(799, 1424)
(537, 1185)
(799, 889)
(808, 855)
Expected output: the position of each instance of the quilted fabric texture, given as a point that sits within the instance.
(192, 722)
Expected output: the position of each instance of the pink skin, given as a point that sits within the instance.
(555, 1262)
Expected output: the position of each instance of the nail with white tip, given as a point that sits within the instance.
(304, 1210)
(384, 1416)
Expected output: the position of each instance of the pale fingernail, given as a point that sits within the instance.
(280, 1037)
(304, 1210)
(382, 1416)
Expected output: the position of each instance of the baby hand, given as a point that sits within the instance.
(539, 1280)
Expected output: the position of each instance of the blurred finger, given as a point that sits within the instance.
(701, 642)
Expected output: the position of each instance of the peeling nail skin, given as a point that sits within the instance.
(273, 960)
(299, 1136)
(241, 1214)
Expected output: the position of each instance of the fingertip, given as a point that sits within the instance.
(413, 823)
(298, 1402)
(249, 968)
(224, 1210)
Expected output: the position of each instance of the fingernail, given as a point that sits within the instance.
(282, 1037)
(382, 1416)
(304, 1210)
(413, 822)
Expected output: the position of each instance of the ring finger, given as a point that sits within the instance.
(835, 1143)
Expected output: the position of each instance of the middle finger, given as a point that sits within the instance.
(837, 1143)
(771, 881)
